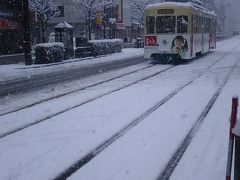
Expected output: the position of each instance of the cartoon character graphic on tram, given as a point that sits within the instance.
(180, 46)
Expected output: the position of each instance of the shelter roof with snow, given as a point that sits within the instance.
(63, 25)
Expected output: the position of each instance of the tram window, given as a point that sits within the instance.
(207, 25)
(165, 24)
(195, 23)
(150, 24)
(201, 24)
(182, 24)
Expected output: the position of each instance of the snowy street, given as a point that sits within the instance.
(19, 78)
(126, 124)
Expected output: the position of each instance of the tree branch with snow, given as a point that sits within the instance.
(87, 10)
(137, 10)
(45, 11)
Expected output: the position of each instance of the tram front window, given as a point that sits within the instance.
(150, 24)
(182, 24)
(165, 24)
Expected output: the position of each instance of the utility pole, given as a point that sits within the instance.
(27, 33)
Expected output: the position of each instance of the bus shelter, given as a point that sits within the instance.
(64, 34)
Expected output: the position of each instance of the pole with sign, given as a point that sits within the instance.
(27, 33)
(112, 21)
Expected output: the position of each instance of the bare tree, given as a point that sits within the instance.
(45, 11)
(87, 10)
(137, 10)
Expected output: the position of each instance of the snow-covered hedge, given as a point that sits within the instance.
(81, 52)
(106, 46)
(49, 52)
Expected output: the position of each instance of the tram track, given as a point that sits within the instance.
(76, 90)
(39, 81)
(32, 123)
(118, 66)
(72, 91)
(128, 127)
(92, 154)
(2, 135)
(178, 154)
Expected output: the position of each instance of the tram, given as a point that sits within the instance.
(177, 31)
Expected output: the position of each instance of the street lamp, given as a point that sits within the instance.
(112, 21)
(27, 33)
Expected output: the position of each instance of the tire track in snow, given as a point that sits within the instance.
(27, 125)
(39, 81)
(71, 92)
(175, 159)
(92, 154)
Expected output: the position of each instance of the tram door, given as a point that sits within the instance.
(1, 44)
(202, 44)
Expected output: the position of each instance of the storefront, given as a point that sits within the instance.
(11, 34)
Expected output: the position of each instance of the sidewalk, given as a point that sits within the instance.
(17, 71)
(11, 59)
(19, 76)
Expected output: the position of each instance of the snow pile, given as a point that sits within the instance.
(50, 45)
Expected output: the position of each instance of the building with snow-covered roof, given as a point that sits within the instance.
(72, 13)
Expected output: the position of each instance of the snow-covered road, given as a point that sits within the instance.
(131, 124)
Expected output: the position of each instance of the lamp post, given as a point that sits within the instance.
(27, 33)
(112, 21)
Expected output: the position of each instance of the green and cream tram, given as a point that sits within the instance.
(175, 31)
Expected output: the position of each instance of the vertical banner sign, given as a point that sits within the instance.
(119, 10)
(99, 16)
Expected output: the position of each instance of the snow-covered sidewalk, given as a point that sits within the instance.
(18, 71)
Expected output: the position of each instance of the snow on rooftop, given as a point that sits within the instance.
(173, 4)
(63, 25)
(105, 40)
(50, 44)
(181, 4)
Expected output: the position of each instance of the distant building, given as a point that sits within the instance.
(225, 20)
(102, 27)
(68, 13)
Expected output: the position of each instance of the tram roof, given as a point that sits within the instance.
(188, 6)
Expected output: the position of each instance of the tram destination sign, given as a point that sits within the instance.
(165, 11)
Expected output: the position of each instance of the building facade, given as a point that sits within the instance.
(11, 33)
(108, 24)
